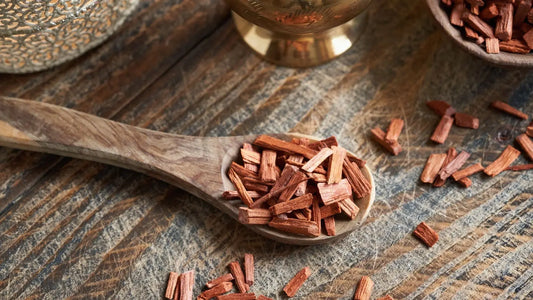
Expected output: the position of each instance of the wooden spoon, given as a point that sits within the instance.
(195, 164)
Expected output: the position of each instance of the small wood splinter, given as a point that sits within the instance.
(186, 286)
(217, 290)
(426, 234)
(335, 165)
(394, 131)
(236, 271)
(249, 269)
(317, 160)
(470, 170)
(506, 108)
(379, 136)
(296, 282)
(527, 145)
(508, 156)
(529, 131)
(450, 155)
(442, 130)
(432, 168)
(441, 108)
(173, 279)
(466, 120)
(364, 289)
(224, 278)
(237, 296)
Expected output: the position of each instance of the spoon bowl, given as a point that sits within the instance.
(196, 164)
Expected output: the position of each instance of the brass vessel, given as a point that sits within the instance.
(299, 33)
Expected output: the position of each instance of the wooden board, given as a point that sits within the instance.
(70, 228)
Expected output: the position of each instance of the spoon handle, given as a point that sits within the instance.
(183, 161)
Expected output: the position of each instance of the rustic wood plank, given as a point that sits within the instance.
(402, 61)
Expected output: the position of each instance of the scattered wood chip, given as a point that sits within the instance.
(492, 45)
(217, 290)
(489, 12)
(508, 156)
(329, 225)
(245, 197)
(171, 285)
(457, 14)
(529, 131)
(349, 208)
(296, 282)
(470, 33)
(267, 169)
(295, 226)
(315, 216)
(364, 289)
(478, 25)
(426, 234)
(269, 142)
(242, 171)
(294, 181)
(379, 136)
(249, 269)
(450, 155)
(466, 120)
(317, 160)
(236, 271)
(250, 156)
(360, 185)
(453, 165)
(394, 130)
(465, 182)
(520, 167)
(432, 168)
(297, 203)
(186, 285)
(335, 165)
(514, 46)
(331, 193)
(330, 210)
(234, 195)
(470, 170)
(441, 108)
(387, 297)
(504, 24)
(443, 130)
(527, 145)
(522, 9)
(237, 296)
(254, 216)
(508, 109)
(224, 278)
(261, 297)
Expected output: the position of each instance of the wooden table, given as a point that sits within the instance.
(71, 228)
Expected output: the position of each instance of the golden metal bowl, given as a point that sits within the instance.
(299, 33)
(36, 35)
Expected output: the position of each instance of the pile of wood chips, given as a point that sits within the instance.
(502, 25)
(441, 166)
(180, 287)
(296, 186)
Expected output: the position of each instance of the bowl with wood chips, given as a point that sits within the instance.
(500, 32)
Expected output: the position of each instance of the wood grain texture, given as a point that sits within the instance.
(66, 225)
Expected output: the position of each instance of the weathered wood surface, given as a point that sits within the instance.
(70, 228)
